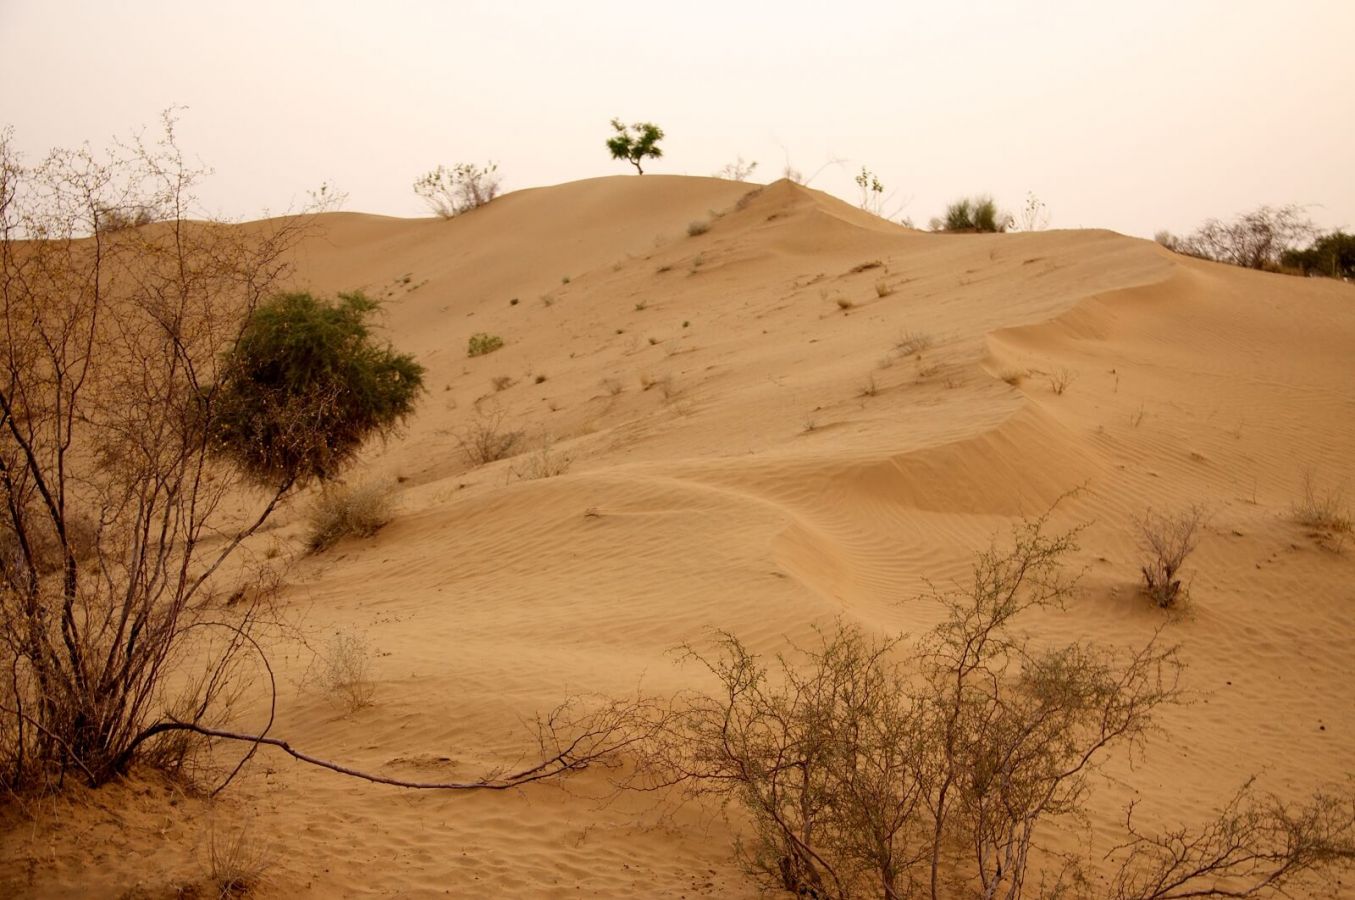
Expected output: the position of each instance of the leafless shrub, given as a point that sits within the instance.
(866, 765)
(1325, 512)
(882, 289)
(345, 671)
(349, 511)
(737, 171)
(1166, 540)
(1254, 240)
(1059, 381)
(484, 439)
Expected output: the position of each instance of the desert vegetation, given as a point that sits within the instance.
(449, 192)
(1271, 238)
(1166, 539)
(147, 375)
(973, 214)
(342, 510)
(875, 766)
(635, 143)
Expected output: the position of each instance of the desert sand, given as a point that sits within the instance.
(749, 450)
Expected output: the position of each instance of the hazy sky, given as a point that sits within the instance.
(1133, 115)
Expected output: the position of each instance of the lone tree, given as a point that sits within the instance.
(634, 143)
(148, 389)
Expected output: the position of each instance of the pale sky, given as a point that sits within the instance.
(1133, 115)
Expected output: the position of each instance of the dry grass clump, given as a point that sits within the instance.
(543, 462)
(1014, 377)
(865, 266)
(882, 289)
(1166, 539)
(911, 343)
(237, 865)
(484, 438)
(698, 227)
(343, 511)
(501, 382)
(1059, 381)
(1325, 512)
(844, 304)
(346, 671)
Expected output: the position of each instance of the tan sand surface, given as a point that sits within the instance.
(785, 466)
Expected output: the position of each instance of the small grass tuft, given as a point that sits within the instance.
(342, 511)
(699, 227)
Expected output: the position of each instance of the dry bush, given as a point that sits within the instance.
(1059, 381)
(1325, 512)
(882, 289)
(345, 671)
(463, 187)
(342, 511)
(484, 438)
(844, 304)
(697, 227)
(1166, 540)
(911, 343)
(1014, 377)
(867, 770)
(543, 462)
(876, 767)
(236, 865)
(501, 382)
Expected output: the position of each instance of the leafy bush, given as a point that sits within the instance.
(1332, 255)
(342, 511)
(481, 343)
(463, 187)
(635, 145)
(975, 214)
(306, 385)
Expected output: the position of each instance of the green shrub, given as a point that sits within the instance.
(305, 386)
(637, 145)
(974, 214)
(481, 343)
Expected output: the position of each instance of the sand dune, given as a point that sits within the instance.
(751, 451)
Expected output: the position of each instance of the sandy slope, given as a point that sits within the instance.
(784, 466)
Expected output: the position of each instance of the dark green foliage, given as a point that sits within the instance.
(634, 146)
(974, 214)
(1332, 255)
(307, 385)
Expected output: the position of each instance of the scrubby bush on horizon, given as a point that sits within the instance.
(635, 143)
(1254, 240)
(463, 187)
(1332, 255)
(973, 214)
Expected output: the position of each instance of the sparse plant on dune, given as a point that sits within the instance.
(912, 343)
(1034, 216)
(484, 439)
(635, 143)
(697, 228)
(542, 462)
(737, 170)
(1061, 379)
(882, 289)
(1325, 512)
(1166, 540)
(236, 865)
(974, 214)
(872, 191)
(345, 671)
(481, 343)
(341, 511)
(463, 187)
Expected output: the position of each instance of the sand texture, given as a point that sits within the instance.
(801, 415)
